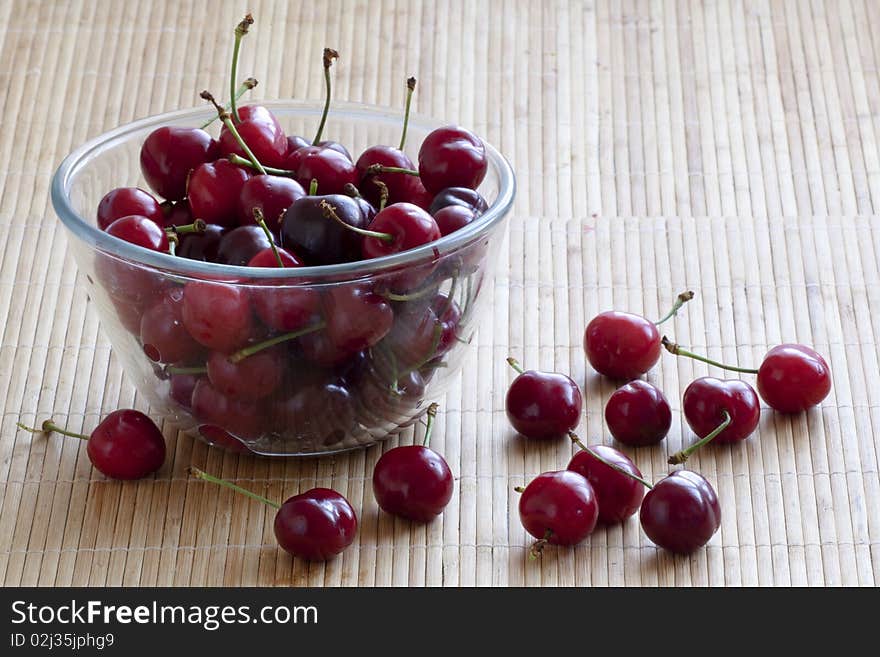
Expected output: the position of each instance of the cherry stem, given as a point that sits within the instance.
(313, 187)
(227, 121)
(351, 190)
(329, 56)
(195, 369)
(410, 88)
(383, 193)
(241, 354)
(381, 168)
(49, 426)
(198, 226)
(537, 548)
(577, 441)
(680, 300)
(418, 294)
(330, 212)
(240, 30)
(172, 243)
(243, 88)
(682, 456)
(235, 158)
(261, 222)
(514, 363)
(674, 348)
(204, 476)
(429, 428)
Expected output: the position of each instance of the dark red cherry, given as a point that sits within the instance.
(638, 414)
(251, 378)
(452, 157)
(335, 146)
(217, 315)
(543, 405)
(272, 195)
(295, 142)
(282, 305)
(681, 512)
(179, 215)
(240, 245)
(329, 167)
(202, 246)
(617, 494)
(793, 378)
(213, 192)
(319, 240)
(318, 348)
(449, 315)
(126, 201)
(322, 413)
(356, 317)
(316, 525)
(461, 196)
(181, 388)
(621, 345)
(408, 225)
(261, 131)
(163, 335)
(140, 231)
(412, 482)
(170, 153)
(241, 417)
(707, 398)
(453, 218)
(418, 195)
(398, 184)
(559, 508)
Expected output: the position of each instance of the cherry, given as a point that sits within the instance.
(217, 315)
(202, 246)
(260, 130)
(318, 240)
(272, 195)
(250, 378)
(413, 481)
(329, 167)
(125, 445)
(461, 196)
(315, 525)
(178, 215)
(163, 335)
(295, 142)
(681, 512)
(452, 157)
(213, 192)
(638, 414)
(453, 218)
(617, 493)
(270, 256)
(449, 315)
(140, 231)
(792, 377)
(624, 346)
(240, 245)
(707, 399)
(322, 412)
(170, 153)
(125, 201)
(241, 417)
(559, 508)
(403, 226)
(181, 388)
(357, 318)
(320, 349)
(542, 405)
(281, 305)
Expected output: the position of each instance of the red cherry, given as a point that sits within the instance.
(559, 508)
(398, 184)
(282, 305)
(793, 378)
(217, 315)
(170, 153)
(356, 317)
(543, 405)
(618, 495)
(295, 142)
(316, 525)
(272, 195)
(408, 225)
(163, 335)
(179, 215)
(181, 388)
(141, 231)
(241, 417)
(453, 218)
(125, 445)
(125, 201)
(240, 245)
(706, 398)
(462, 196)
(452, 157)
(266, 258)
(202, 246)
(250, 378)
(681, 512)
(638, 414)
(318, 348)
(261, 131)
(329, 167)
(621, 345)
(213, 192)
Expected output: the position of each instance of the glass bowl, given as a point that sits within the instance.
(374, 342)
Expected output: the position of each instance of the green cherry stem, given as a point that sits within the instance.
(49, 426)
(680, 300)
(330, 213)
(227, 121)
(682, 456)
(198, 226)
(514, 363)
(195, 369)
(235, 158)
(429, 428)
(204, 476)
(313, 187)
(383, 193)
(677, 350)
(240, 30)
(380, 168)
(329, 56)
(243, 88)
(410, 88)
(172, 243)
(241, 354)
(261, 222)
(577, 441)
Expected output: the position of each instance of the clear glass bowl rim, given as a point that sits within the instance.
(98, 239)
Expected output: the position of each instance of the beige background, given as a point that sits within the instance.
(727, 146)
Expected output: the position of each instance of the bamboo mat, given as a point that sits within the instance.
(725, 146)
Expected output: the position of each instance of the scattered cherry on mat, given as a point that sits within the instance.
(792, 377)
(681, 512)
(558, 508)
(315, 525)
(125, 201)
(125, 445)
(413, 481)
(542, 405)
(637, 414)
(623, 345)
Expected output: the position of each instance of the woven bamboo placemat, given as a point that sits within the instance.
(725, 146)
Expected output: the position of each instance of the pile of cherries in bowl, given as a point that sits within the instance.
(305, 346)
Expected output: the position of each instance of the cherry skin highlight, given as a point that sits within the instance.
(638, 414)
